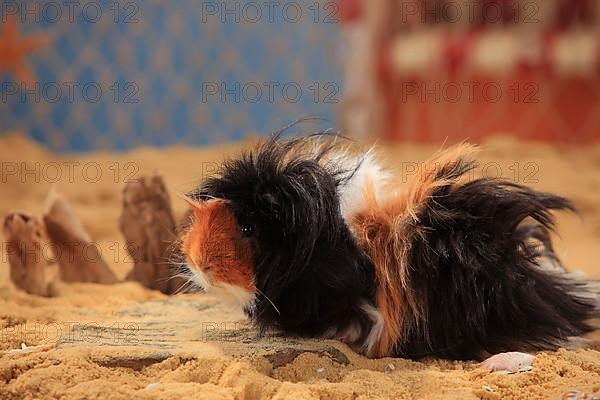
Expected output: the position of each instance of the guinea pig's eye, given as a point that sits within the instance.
(248, 230)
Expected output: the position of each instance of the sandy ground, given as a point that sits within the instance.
(124, 341)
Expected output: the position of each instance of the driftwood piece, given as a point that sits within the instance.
(26, 253)
(79, 259)
(148, 225)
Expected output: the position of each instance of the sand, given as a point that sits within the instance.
(124, 341)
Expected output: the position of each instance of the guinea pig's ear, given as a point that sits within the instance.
(193, 203)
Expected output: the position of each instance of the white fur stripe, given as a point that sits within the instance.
(377, 329)
(353, 191)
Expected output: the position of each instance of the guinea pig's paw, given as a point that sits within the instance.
(509, 363)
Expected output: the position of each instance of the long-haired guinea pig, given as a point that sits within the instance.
(318, 241)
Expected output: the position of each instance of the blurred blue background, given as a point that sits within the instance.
(118, 74)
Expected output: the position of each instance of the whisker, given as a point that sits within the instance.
(188, 276)
(185, 287)
(269, 300)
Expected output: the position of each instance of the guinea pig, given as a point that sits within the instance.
(316, 240)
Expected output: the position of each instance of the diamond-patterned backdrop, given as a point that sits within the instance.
(109, 74)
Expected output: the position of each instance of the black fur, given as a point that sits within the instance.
(307, 262)
(477, 273)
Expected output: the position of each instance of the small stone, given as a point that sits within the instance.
(320, 370)
(152, 386)
(389, 368)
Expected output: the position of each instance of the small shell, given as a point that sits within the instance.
(26, 349)
(509, 363)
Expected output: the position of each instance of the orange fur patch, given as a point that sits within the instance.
(215, 245)
(385, 229)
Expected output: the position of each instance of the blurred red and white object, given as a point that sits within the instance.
(466, 69)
